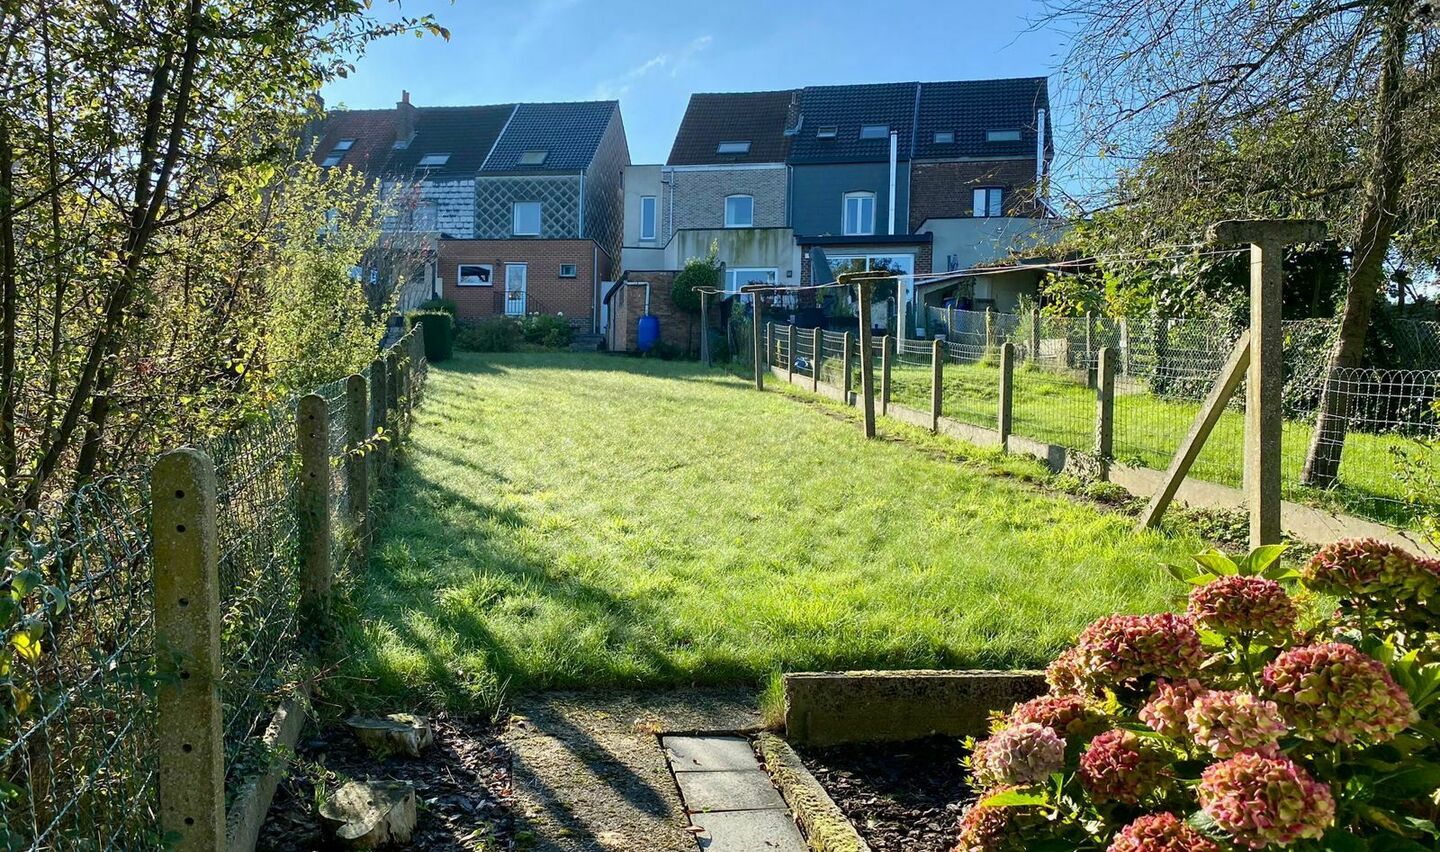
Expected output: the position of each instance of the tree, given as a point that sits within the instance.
(1318, 108)
(699, 273)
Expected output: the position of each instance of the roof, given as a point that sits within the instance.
(847, 109)
(371, 132)
(711, 118)
(970, 108)
(465, 133)
(568, 133)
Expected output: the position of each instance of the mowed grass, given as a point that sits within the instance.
(573, 521)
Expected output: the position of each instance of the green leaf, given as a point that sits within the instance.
(1340, 840)
(1411, 781)
(1013, 798)
(1216, 563)
(1260, 560)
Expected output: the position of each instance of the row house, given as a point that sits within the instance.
(521, 202)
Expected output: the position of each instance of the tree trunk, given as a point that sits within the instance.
(1372, 243)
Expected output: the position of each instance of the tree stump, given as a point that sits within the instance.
(398, 733)
(370, 814)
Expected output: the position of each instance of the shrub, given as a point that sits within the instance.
(546, 330)
(439, 330)
(440, 303)
(1233, 726)
(494, 334)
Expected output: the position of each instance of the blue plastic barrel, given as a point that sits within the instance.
(648, 333)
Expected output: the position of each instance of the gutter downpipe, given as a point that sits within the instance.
(894, 151)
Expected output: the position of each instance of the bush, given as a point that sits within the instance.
(439, 330)
(1234, 725)
(494, 334)
(440, 304)
(547, 330)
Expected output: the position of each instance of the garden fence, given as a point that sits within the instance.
(97, 683)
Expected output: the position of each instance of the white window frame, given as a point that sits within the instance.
(460, 279)
(987, 202)
(884, 131)
(648, 234)
(859, 196)
(573, 273)
(515, 208)
(733, 223)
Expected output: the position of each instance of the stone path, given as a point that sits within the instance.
(729, 797)
(590, 775)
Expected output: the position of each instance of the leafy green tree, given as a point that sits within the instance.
(698, 274)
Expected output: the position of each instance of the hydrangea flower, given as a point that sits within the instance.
(1064, 674)
(1263, 801)
(985, 829)
(1120, 649)
(1119, 767)
(1165, 712)
(1235, 604)
(1066, 715)
(1227, 723)
(1334, 693)
(1018, 755)
(1162, 832)
(1361, 567)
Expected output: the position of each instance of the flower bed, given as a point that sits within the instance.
(1237, 725)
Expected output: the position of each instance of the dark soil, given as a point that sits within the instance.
(901, 797)
(462, 789)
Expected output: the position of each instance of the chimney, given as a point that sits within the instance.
(404, 119)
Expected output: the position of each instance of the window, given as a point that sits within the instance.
(647, 217)
(434, 160)
(739, 211)
(344, 144)
(989, 201)
(859, 213)
(874, 131)
(1002, 136)
(533, 158)
(826, 132)
(733, 148)
(424, 216)
(567, 270)
(332, 160)
(525, 216)
(944, 137)
(474, 275)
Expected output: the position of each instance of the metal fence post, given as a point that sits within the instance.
(190, 751)
(937, 375)
(1035, 335)
(1126, 350)
(1007, 393)
(755, 342)
(769, 343)
(819, 350)
(989, 328)
(847, 366)
(312, 439)
(1105, 411)
(790, 352)
(357, 470)
(886, 344)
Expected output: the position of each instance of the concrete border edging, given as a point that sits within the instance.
(826, 827)
(247, 814)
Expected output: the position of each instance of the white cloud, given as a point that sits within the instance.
(673, 60)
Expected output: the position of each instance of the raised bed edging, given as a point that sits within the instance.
(825, 825)
(832, 708)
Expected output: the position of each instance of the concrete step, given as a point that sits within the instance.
(586, 342)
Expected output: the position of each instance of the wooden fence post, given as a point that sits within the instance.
(378, 396)
(790, 347)
(887, 343)
(312, 439)
(1034, 335)
(357, 470)
(1005, 416)
(1105, 412)
(937, 376)
(705, 329)
(190, 749)
(847, 366)
(756, 343)
(819, 358)
(867, 360)
(392, 400)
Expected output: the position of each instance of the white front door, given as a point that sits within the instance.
(515, 289)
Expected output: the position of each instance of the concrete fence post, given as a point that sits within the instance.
(1034, 335)
(937, 377)
(190, 751)
(1090, 349)
(887, 345)
(1004, 417)
(989, 328)
(1105, 411)
(357, 470)
(378, 413)
(818, 350)
(847, 366)
(312, 439)
(790, 351)
(867, 360)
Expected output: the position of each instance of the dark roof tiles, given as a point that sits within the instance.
(465, 133)
(847, 109)
(755, 117)
(971, 108)
(568, 133)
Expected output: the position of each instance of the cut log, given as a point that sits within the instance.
(398, 733)
(370, 814)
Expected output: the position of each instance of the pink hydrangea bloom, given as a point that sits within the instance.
(1164, 713)
(1067, 715)
(1064, 674)
(1162, 832)
(1018, 755)
(1335, 693)
(983, 829)
(1119, 767)
(1121, 649)
(1227, 723)
(1235, 604)
(1360, 567)
(1263, 801)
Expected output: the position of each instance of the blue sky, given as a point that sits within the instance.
(652, 55)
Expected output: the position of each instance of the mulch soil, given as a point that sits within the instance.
(901, 797)
(462, 789)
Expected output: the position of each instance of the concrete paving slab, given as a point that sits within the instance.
(748, 831)
(709, 754)
(728, 790)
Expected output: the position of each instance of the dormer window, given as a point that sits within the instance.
(344, 145)
(944, 137)
(874, 131)
(337, 153)
(434, 160)
(533, 158)
(826, 132)
(1002, 136)
(733, 148)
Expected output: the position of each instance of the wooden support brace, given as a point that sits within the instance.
(1005, 417)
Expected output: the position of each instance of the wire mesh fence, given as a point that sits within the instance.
(78, 739)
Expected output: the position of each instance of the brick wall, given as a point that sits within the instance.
(945, 190)
(699, 197)
(677, 328)
(546, 291)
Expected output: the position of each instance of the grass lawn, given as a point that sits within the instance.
(573, 520)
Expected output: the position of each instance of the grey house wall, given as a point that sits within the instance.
(817, 196)
(559, 197)
(604, 189)
(699, 196)
(454, 204)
